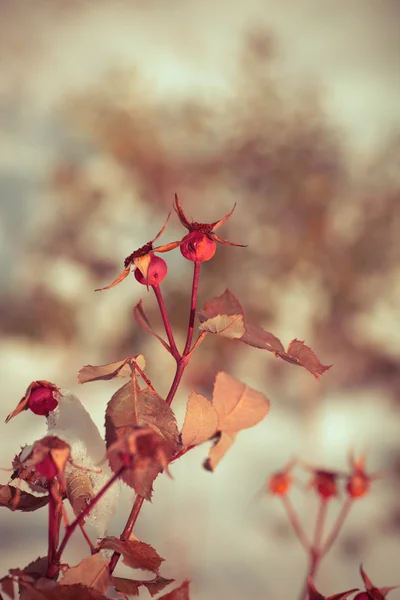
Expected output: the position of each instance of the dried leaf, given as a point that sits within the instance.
(201, 421)
(23, 403)
(15, 499)
(121, 368)
(91, 572)
(237, 405)
(131, 586)
(179, 593)
(231, 327)
(36, 482)
(78, 488)
(260, 338)
(132, 407)
(53, 448)
(225, 304)
(223, 442)
(144, 453)
(300, 354)
(7, 585)
(116, 281)
(136, 554)
(143, 321)
(37, 568)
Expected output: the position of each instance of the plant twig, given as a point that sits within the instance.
(193, 303)
(167, 324)
(338, 525)
(295, 523)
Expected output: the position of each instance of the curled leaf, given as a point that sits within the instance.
(142, 320)
(91, 572)
(15, 499)
(135, 554)
(116, 281)
(300, 354)
(121, 368)
(221, 446)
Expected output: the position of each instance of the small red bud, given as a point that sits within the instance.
(325, 484)
(358, 485)
(279, 483)
(41, 401)
(198, 246)
(47, 468)
(157, 271)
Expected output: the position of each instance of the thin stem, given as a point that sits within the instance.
(337, 526)
(180, 367)
(193, 303)
(87, 538)
(295, 523)
(167, 324)
(196, 344)
(71, 528)
(55, 513)
(137, 505)
(315, 553)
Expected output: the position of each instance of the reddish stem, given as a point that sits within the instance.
(295, 523)
(315, 552)
(54, 524)
(193, 303)
(167, 324)
(71, 528)
(337, 526)
(137, 505)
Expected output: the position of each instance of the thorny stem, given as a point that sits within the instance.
(295, 523)
(137, 505)
(316, 551)
(337, 526)
(71, 528)
(193, 303)
(181, 363)
(167, 324)
(54, 523)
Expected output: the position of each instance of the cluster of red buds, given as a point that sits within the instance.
(198, 245)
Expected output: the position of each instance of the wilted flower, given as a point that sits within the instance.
(199, 244)
(149, 269)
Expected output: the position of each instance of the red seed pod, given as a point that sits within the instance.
(42, 401)
(358, 485)
(362, 596)
(279, 483)
(325, 483)
(198, 246)
(47, 468)
(157, 271)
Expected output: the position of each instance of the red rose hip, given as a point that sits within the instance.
(41, 401)
(198, 247)
(156, 273)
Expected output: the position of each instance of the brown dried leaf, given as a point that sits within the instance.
(121, 368)
(78, 489)
(36, 482)
(132, 407)
(143, 321)
(91, 572)
(26, 502)
(72, 592)
(7, 585)
(229, 326)
(23, 403)
(144, 453)
(136, 554)
(221, 446)
(237, 405)
(131, 586)
(201, 421)
(37, 568)
(300, 354)
(260, 338)
(179, 593)
(55, 448)
(116, 281)
(225, 304)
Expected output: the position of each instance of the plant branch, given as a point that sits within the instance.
(54, 523)
(167, 324)
(193, 303)
(337, 526)
(315, 552)
(80, 518)
(136, 508)
(295, 523)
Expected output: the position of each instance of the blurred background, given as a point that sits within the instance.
(291, 110)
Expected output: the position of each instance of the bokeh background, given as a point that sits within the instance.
(291, 110)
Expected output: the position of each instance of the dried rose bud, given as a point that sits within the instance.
(42, 401)
(47, 468)
(157, 271)
(325, 483)
(279, 483)
(362, 596)
(358, 485)
(198, 246)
